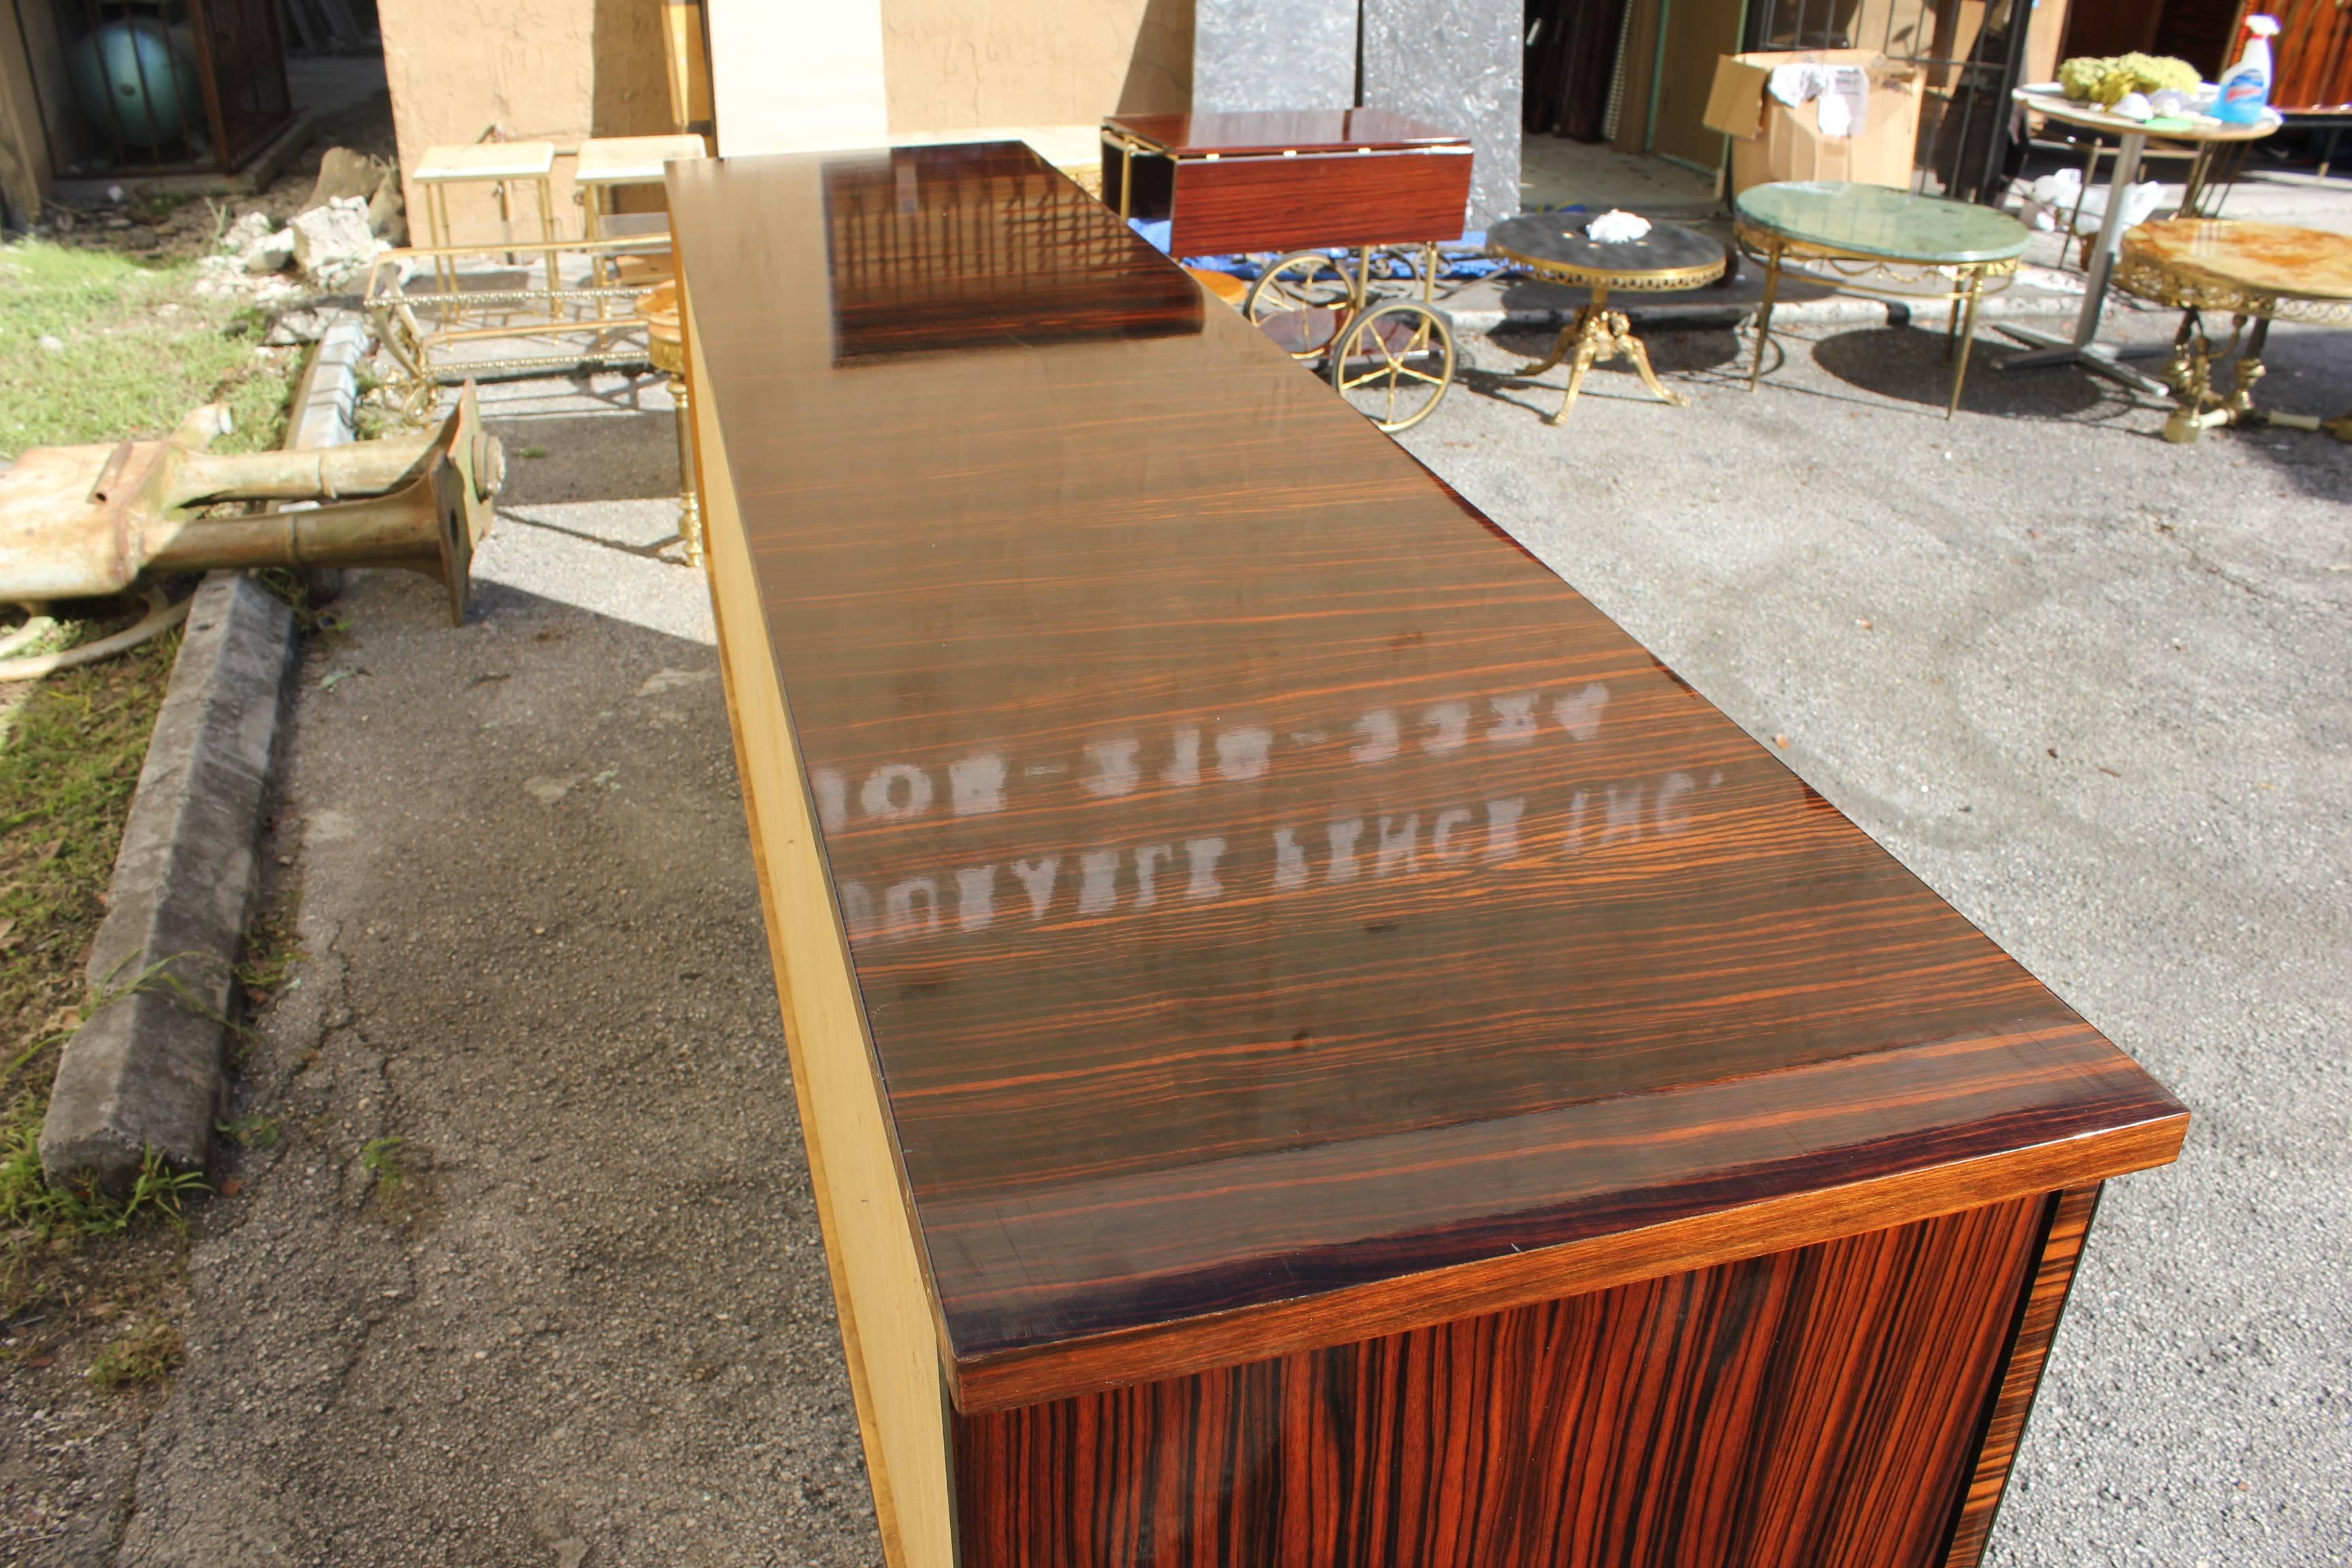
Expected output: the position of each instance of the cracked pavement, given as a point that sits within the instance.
(579, 1314)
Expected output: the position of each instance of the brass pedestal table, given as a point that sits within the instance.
(1554, 247)
(2258, 272)
(1877, 240)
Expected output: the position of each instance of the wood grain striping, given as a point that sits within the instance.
(1809, 1409)
(1279, 912)
(2067, 1225)
(882, 1300)
(1339, 198)
(1283, 910)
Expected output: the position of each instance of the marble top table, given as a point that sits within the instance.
(1882, 223)
(2131, 141)
(2256, 271)
(1913, 238)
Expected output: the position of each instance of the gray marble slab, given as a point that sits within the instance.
(1273, 54)
(1454, 64)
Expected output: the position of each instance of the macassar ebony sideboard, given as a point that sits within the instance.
(1313, 1046)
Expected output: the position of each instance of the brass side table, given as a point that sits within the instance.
(1554, 247)
(1877, 240)
(2258, 272)
(501, 165)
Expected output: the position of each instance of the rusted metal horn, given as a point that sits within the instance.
(83, 522)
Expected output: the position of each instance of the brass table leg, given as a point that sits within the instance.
(689, 503)
(547, 237)
(1963, 338)
(1596, 336)
(1764, 314)
(2191, 372)
(2241, 401)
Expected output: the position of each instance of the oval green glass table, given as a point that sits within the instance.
(1882, 241)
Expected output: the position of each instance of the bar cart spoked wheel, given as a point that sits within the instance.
(1391, 356)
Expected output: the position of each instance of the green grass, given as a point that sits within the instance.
(380, 1157)
(69, 758)
(139, 348)
(149, 1352)
(252, 1131)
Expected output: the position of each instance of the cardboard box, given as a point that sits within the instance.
(1771, 141)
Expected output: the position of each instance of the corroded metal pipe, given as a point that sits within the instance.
(83, 522)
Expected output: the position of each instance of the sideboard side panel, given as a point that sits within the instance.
(1814, 1408)
(2020, 1379)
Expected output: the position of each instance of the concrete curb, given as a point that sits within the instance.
(145, 1071)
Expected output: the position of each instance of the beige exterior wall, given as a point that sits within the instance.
(559, 69)
(954, 65)
(785, 73)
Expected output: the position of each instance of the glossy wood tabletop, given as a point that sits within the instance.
(1282, 131)
(1283, 910)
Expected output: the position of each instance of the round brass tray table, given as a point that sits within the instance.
(1863, 234)
(2258, 272)
(1554, 247)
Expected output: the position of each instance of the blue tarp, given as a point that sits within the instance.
(1461, 258)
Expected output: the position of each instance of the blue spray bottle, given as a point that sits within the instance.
(2245, 94)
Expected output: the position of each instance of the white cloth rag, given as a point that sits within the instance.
(1616, 227)
(1844, 92)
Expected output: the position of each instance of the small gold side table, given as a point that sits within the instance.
(1554, 247)
(2258, 272)
(501, 165)
(666, 344)
(608, 162)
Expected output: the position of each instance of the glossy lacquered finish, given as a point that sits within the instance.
(1274, 182)
(1284, 912)
(1281, 130)
(966, 247)
(2066, 1225)
(1811, 1409)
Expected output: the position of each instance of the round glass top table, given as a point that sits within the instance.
(2258, 272)
(1555, 247)
(2131, 141)
(1863, 234)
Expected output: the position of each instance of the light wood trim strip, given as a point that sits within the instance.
(879, 1288)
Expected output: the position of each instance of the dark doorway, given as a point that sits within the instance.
(1571, 64)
